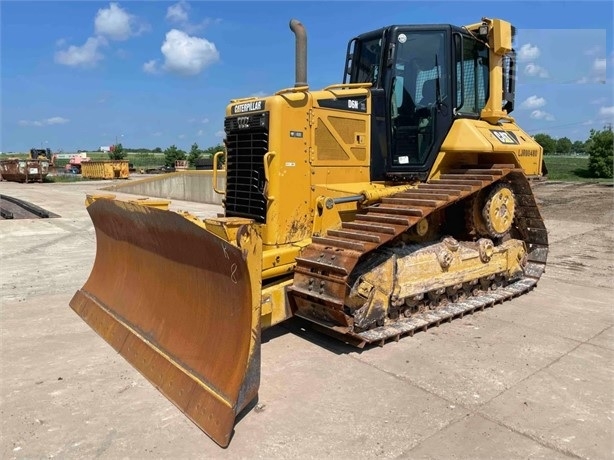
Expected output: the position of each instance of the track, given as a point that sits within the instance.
(324, 271)
(14, 208)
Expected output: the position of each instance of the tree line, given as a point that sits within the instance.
(599, 147)
(171, 153)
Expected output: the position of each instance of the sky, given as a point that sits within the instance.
(84, 74)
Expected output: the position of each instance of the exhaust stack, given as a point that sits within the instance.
(301, 52)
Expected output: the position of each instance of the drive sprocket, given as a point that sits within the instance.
(491, 212)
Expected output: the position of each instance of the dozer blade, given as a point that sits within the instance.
(181, 305)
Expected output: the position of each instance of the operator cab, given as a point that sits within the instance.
(423, 77)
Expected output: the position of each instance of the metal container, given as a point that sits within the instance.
(24, 170)
(105, 169)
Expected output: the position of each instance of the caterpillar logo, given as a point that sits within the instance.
(505, 137)
(252, 106)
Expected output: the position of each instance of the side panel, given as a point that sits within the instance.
(341, 130)
(476, 141)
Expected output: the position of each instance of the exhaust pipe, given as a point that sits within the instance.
(300, 53)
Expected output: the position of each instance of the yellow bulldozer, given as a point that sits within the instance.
(373, 208)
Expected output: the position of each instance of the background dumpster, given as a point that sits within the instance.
(105, 169)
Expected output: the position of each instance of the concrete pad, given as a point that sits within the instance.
(319, 404)
(568, 404)
(582, 252)
(561, 309)
(472, 360)
(475, 437)
(604, 339)
(70, 395)
(65, 393)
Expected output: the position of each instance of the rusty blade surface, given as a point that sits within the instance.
(181, 305)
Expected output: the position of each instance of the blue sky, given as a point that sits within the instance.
(79, 74)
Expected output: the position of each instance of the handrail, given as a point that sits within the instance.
(265, 160)
(348, 85)
(295, 89)
(215, 157)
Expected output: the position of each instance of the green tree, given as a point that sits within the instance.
(547, 142)
(563, 146)
(171, 154)
(194, 154)
(157, 150)
(117, 152)
(212, 150)
(578, 147)
(600, 147)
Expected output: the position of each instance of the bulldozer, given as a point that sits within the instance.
(371, 209)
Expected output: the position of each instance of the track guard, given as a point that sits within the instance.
(181, 305)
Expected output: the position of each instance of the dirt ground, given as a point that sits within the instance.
(531, 378)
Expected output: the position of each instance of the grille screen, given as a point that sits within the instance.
(327, 145)
(246, 144)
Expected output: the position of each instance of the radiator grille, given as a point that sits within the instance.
(246, 144)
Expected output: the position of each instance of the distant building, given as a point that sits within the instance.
(105, 148)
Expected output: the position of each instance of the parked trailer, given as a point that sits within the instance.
(24, 170)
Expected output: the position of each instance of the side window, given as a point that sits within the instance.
(471, 75)
(367, 70)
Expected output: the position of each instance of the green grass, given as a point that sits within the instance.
(64, 178)
(570, 168)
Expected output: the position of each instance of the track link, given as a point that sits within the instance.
(322, 274)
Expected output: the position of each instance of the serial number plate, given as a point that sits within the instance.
(33, 170)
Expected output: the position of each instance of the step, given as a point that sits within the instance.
(369, 227)
(411, 202)
(387, 219)
(340, 243)
(354, 235)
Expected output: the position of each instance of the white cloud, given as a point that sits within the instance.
(157, 133)
(587, 123)
(116, 23)
(607, 111)
(204, 120)
(200, 132)
(599, 100)
(534, 70)
(178, 12)
(533, 102)
(45, 122)
(597, 72)
(187, 55)
(86, 55)
(181, 136)
(599, 68)
(151, 66)
(258, 94)
(109, 23)
(56, 120)
(220, 134)
(528, 52)
(593, 51)
(542, 115)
